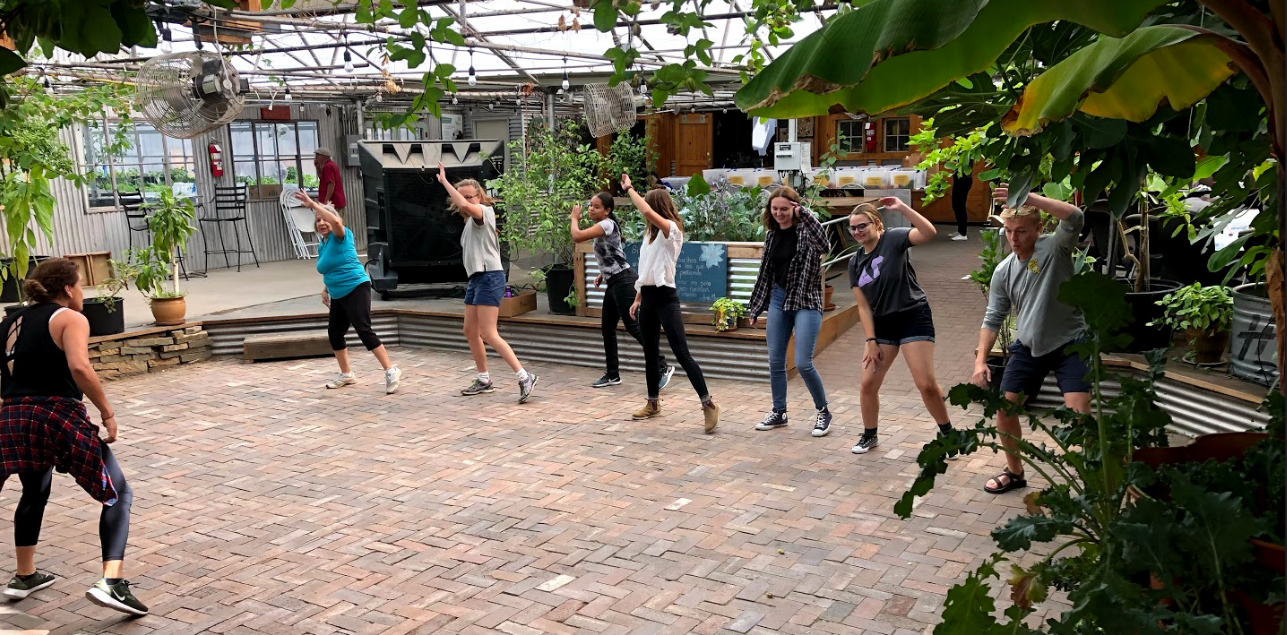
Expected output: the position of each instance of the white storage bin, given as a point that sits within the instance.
(766, 178)
(903, 179)
(742, 177)
(847, 177)
(677, 182)
(824, 178)
(715, 176)
(875, 179)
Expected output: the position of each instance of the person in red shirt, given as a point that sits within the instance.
(330, 189)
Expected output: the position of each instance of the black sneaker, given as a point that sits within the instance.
(477, 388)
(773, 421)
(605, 381)
(665, 378)
(823, 424)
(116, 597)
(19, 588)
(866, 443)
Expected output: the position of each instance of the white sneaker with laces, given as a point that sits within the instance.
(959, 237)
(341, 380)
(392, 379)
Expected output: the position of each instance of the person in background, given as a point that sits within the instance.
(347, 293)
(1028, 282)
(894, 312)
(789, 286)
(330, 188)
(480, 243)
(656, 304)
(45, 374)
(617, 298)
(961, 185)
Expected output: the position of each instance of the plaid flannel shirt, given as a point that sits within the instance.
(804, 276)
(37, 433)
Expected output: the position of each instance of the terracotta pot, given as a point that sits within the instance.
(826, 298)
(1208, 346)
(1221, 446)
(168, 311)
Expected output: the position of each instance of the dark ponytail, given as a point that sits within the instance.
(48, 281)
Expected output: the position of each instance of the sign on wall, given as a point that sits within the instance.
(701, 275)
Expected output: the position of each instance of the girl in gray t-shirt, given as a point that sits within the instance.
(894, 311)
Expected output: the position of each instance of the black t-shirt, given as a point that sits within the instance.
(39, 366)
(886, 276)
(783, 254)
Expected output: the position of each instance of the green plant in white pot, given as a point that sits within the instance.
(1205, 314)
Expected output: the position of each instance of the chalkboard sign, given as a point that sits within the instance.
(701, 274)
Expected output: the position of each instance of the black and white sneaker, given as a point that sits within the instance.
(665, 378)
(605, 381)
(19, 588)
(116, 596)
(866, 443)
(773, 421)
(823, 424)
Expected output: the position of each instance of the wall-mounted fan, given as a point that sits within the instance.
(186, 94)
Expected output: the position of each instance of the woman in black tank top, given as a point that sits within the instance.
(44, 374)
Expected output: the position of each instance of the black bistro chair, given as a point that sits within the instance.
(228, 208)
(135, 216)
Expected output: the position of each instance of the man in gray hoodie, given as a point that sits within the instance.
(1027, 282)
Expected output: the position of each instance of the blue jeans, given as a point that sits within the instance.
(806, 324)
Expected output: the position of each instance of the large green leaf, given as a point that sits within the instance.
(1124, 78)
(890, 53)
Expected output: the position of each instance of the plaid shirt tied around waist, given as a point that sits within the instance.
(37, 433)
(804, 276)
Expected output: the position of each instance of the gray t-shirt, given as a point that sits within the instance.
(1031, 287)
(608, 251)
(886, 276)
(480, 245)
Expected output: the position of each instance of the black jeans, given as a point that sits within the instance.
(617, 299)
(960, 193)
(353, 309)
(659, 309)
(113, 522)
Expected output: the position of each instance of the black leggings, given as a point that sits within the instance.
(353, 309)
(659, 309)
(960, 193)
(617, 299)
(113, 523)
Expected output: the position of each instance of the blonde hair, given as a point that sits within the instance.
(872, 214)
(1022, 212)
(483, 198)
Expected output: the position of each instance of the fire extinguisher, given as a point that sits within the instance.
(216, 160)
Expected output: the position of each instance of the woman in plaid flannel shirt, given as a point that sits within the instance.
(44, 374)
(789, 286)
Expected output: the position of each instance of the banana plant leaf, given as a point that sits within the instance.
(1124, 78)
(891, 53)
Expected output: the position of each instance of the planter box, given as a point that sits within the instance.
(94, 267)
(522, 303)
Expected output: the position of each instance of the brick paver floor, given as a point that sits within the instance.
(266, 504)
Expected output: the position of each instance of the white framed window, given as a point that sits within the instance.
(148, 163)
(274, 153)
(898, 132)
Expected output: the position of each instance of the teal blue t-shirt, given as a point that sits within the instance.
(337, 261)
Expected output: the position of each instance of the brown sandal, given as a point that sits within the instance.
(1015, 482)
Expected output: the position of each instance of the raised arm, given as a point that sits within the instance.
(474, 210)
(653, 218)
(331, 218)
(581, 235)
(1058, 209)
(923, 231)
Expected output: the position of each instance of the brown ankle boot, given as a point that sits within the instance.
(711, 413)
(652, 408)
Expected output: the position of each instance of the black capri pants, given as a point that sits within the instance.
(353, 310)
(113, 522)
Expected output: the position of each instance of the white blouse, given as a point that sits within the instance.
(657, 259)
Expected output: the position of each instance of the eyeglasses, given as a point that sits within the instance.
(470, 197)
(859, 227)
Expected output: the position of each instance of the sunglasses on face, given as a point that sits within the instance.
(857, 227)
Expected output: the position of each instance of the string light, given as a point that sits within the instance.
(566, 84)
(473, 77)
(454, 101)
(48, 85)
(166, 45)
(288, 97)
(348, 61)
(379, 97)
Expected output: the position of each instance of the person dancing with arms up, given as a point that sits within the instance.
(44, 376)
(656, 304)
(481, 245)
(894, 311)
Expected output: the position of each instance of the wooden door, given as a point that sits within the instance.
(693, 143)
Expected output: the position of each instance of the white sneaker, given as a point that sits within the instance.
(391, 380)
(341, 380)
(959, 237)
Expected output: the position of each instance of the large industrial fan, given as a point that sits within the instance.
(609, 109)
(186, 94)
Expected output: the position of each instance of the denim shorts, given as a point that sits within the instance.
(486, 288)
(1024, 373)
(912, 325)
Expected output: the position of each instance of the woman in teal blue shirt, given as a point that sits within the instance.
(347, 293)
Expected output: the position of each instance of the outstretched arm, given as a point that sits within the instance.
(923, 231)
(474, 210)
(331, 218)
(653, 218)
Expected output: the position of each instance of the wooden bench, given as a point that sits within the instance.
(286, 346)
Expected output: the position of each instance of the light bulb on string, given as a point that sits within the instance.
(454, 101)
(379, 97)
(348, 61)
(473, 77)
(643, 86)
(167, 45)
(48, 85)
(566, 84)
(288, 97)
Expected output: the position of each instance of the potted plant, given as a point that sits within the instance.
(727, 312)
(106, 312)
(1205, 314)
(170, 221)
(990, 256)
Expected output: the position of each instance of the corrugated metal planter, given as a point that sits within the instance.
(1253, 354)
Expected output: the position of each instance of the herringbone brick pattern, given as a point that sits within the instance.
(266, 504)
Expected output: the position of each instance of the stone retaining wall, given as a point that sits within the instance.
(147, 352)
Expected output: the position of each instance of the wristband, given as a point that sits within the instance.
(871, 339)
